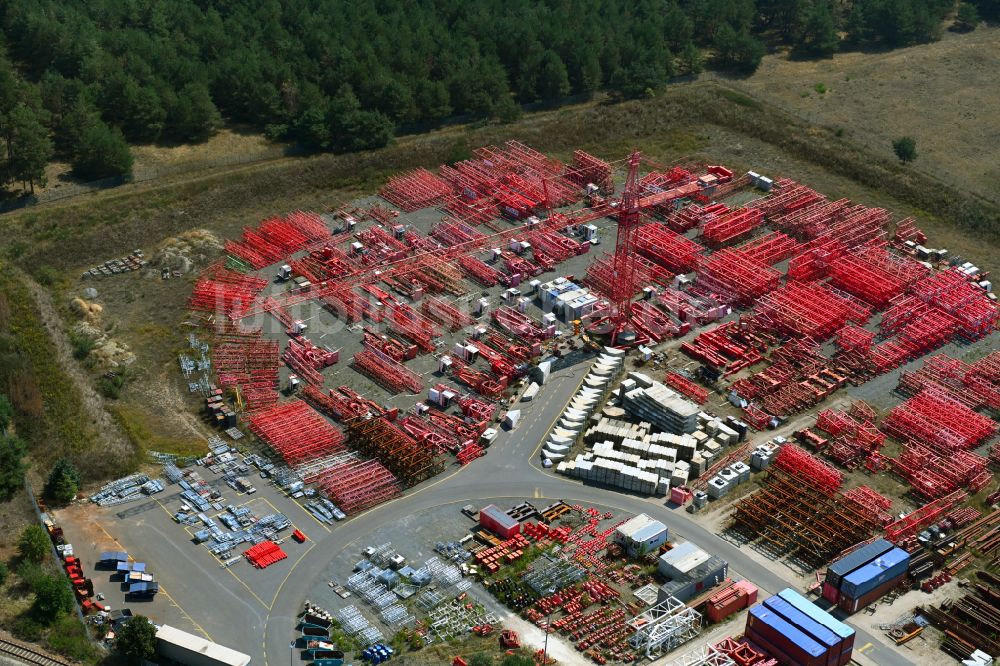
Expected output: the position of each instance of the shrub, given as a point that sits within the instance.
(137, 639)
(4, 573)
(53, 598)
(34, 544)
(905, 148)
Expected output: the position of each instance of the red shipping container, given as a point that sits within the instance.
(830, 593)
(849, 605)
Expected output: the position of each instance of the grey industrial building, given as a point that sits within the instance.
(689, 570)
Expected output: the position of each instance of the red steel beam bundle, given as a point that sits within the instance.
(355, 485)
(906, 230)
(429, 435)
(499, 363)
(933, 475)
(474, 212)
(387, 373)
(814, 262)
(341, 404)
(222, 290)
(376, 239)
(906, 269)
(861, 225)
(415, 189)
(299, 359)
(667, 248)
(558, 246)
(480, 411)
(694, 215)
(331, 261)
(452, 232)
(405, 321)
(735, 278)
(868, 281)
(276, 238)
(812, 220)
(984, 376)
(410, 461)
(925, 515)
(836, 422)
(296, 432)
(856, 339)
(787, 196)
(951, 292)
(935, 417)
(481, 272)
(465, 432)
(446, 314)
(871, 503)
(419, 242)
(732, 226)
(449, 278)
(725, 346)
(756, 417)
(517, 350)
(770, 249)
(654, 322)
(697, 393)
(588, 169)
(483, 383)
(251, 365)
(519, 266)
(518, 323)
(804, 309)
(796, 461)
(264, 554)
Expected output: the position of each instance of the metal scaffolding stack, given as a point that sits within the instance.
(951, 292)
(355, 484)
(276, 238)
(408, 460)
(224, 291)
(248, 364)
(391, 375)
(732, 226)
(804, 310)
(959, 380)
(663, 627)
(667, 248)
(797, 462)
(296, 431)
(735, 277)
(793, 515)
(587, 169)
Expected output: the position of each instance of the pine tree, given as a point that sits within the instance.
(63, 482)
(29, 146)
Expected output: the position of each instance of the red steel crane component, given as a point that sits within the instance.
(499, 364)
(446, 314)
(222, 290)
(481, 272)
(416, 189)
(387, 373)
(736, 278)
(925, 515)
(686, 386)
(732, 226)
(770, 249)
(951, 292)
(795, 461)
(355, 484)
(296, 431)
(519, 324)
(483, 383)
(424, 431)
(935, 417)
(588, 169)
(394, 349)
(480, 411)
(519, 351)
(667, 248)
(653, 322)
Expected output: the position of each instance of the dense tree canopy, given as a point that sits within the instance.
(83, 77)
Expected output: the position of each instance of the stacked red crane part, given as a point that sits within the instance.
(423, 431)
(667, 248)
(341, 404)
(808, 309)
(855, 435)
(744, 654)
(933, 475)
(951, 375)
(813, 263)
(655, 323)
(728, 346)
(517, 350)
(733, 226)
(479, 271)
(925, 515)
(264, 554)
(906, 230)
(480, 411)
(446, 314)
(500, 364)
(296, 431)
(587, 169)
(307, 359)
(951, 292)
(454, 232)
(277, 238)
(391, 375)
(404, 320)
(223, 291)
(354, 484)
(416, 189)
(686, 386)
(250, 364)
(874, 275)
(934, 417)
(381, 246)
(770, 249)
(870, 502)
(518, 323)
(694, 215)
(796, 461)
(985, 375)
(786, 196)
(736, 278)
(485, 384)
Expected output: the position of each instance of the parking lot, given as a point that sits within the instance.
(197, 593)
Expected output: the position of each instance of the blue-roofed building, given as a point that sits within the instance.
(640, 535)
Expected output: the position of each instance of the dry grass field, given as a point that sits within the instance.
(945, 95)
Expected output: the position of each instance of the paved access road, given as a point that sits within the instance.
(510, 471)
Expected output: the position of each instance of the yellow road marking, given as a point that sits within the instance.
(867, 646)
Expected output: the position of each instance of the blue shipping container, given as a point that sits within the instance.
(774, 626)
(816, 613)
(885, 567)
(803, 622)
(853, 561)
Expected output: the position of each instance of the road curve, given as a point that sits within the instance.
(509, 472)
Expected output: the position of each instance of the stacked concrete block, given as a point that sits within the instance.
(614, 431)
(763, 455)
(662, 407)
